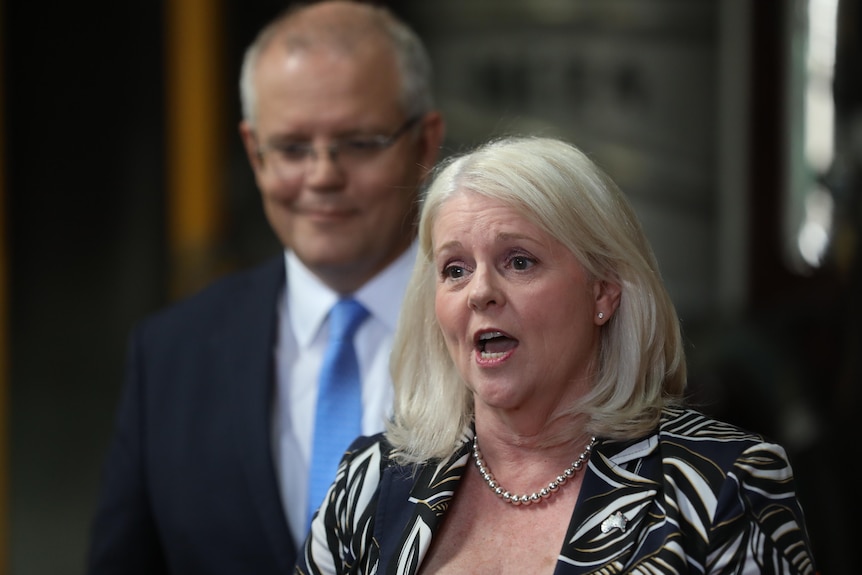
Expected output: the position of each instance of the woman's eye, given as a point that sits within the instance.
(453, 272)
(521, 262)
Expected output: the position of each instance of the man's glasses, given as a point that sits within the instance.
(288, 157)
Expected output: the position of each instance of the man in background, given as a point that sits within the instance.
(208, 469)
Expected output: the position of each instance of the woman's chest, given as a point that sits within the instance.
(482, 534)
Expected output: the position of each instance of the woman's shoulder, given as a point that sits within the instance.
(368, 446)
(693, 424)
(367, 453)
(687, 434)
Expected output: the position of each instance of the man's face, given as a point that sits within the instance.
(349, 214)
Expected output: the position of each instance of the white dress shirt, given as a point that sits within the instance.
(302, 339)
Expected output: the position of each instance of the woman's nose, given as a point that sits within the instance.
(484, 290)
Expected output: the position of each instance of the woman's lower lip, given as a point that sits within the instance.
(492, 359)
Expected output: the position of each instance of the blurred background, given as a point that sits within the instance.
(735, 127)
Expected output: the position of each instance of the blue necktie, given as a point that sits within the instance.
(338, 420)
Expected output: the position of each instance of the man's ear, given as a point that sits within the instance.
(607, 300)
(433, 132)
(249, 141)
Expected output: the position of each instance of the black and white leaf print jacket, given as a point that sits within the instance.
(696, 496)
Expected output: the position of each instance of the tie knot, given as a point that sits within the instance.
(345, 317)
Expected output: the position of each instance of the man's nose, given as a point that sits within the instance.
(322, 165)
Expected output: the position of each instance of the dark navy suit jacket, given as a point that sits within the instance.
(189, 483)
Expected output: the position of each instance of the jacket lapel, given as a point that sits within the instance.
(245, 350)
(404, 532)
(622, 481)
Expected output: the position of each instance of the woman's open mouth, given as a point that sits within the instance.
(494, 344)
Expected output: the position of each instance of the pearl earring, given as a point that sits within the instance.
(601, 315)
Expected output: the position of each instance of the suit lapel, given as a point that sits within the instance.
(245, 352)
(622, 481)
(412, 507)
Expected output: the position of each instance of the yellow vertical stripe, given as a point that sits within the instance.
(194, 140)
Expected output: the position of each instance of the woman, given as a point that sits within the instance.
(538, 425)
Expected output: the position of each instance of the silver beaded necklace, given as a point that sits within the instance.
(538, 496)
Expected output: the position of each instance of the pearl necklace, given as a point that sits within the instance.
(538, 496)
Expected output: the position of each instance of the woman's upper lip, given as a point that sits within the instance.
(494, 344)
(489, 333)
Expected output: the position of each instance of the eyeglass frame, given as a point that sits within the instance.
(370, 145)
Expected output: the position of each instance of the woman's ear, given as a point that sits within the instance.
(607, 300)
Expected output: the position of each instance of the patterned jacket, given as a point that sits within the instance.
(696, 496)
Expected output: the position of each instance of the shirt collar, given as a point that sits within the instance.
(309, 300)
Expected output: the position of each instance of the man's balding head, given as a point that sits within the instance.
(346, 27)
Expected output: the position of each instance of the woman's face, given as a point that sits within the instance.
(517, 310)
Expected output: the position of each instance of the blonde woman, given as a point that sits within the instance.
(538, 424)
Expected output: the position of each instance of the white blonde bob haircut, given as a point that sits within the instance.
(641, 364)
